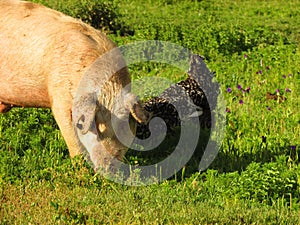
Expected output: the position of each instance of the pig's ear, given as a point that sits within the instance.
(84, 111)
(136, 109)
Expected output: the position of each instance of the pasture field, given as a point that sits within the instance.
(253, 46)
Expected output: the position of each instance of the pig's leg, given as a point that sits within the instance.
(63, 117)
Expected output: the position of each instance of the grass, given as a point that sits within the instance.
(253, 46)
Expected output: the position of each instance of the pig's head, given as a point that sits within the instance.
(105, 115)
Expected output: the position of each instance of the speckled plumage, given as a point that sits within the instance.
(183, 95)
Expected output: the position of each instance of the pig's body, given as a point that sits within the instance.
(40, 49)
(43, 56)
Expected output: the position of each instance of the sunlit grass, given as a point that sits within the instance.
(253, 46)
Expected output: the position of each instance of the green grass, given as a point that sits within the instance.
(255, 178)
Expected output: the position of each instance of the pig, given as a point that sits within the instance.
(44, 55)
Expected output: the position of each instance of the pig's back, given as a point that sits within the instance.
(41, 48)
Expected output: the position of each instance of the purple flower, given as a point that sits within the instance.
(229, 90)
(245, 56)
(227, 110)
(259, 72)
(241, 101)
(277, 90)
(269, 108)
(293, 147)
(283, 76)
(288, 90)
(248, 89)
(239, 86)
(290, 75)
(267, 67)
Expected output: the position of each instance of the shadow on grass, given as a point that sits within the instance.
(231, 160)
